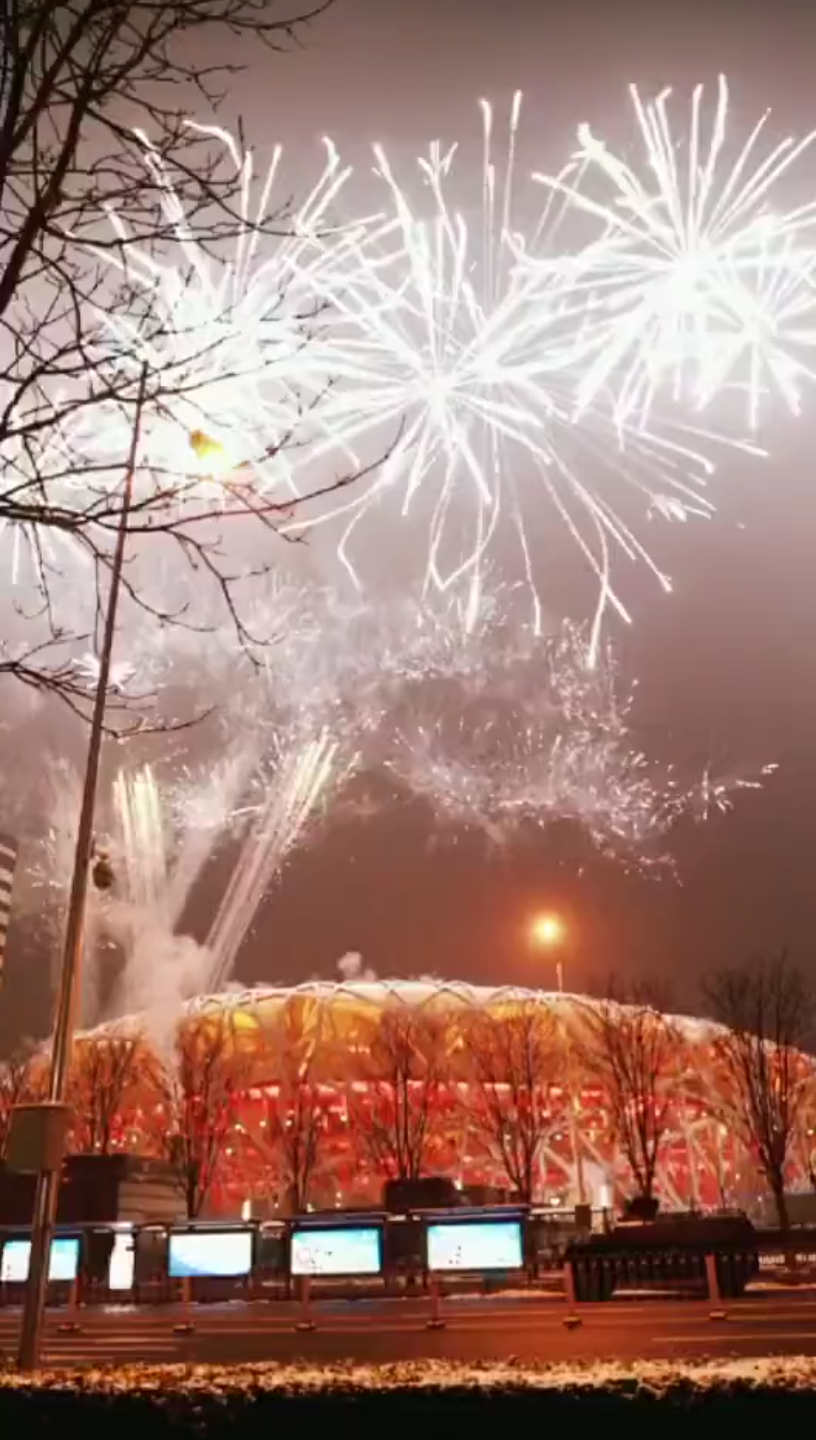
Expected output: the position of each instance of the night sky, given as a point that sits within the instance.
(726, 664)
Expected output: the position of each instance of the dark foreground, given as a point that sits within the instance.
(447, 1399)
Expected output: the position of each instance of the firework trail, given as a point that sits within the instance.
(164, 834)
(448, 329)
(145, 844)
(702, 278)
(299, 787)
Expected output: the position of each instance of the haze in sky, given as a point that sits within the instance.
(726, 664)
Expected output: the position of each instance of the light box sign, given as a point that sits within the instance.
(475, 1245)
(63, 1262)
(336, 1251)
(225, 1254)
(122, 1263)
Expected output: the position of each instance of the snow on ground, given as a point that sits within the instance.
(781, 1374)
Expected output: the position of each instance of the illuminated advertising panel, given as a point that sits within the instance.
(212, 1253)
(336, 1251)
(475, 1245)
(121, 1264)
(62, 1265)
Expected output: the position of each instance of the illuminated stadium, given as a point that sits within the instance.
(326, 1037)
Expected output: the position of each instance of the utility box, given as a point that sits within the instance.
(37, 1137)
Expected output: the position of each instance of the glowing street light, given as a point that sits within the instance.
(547, 930)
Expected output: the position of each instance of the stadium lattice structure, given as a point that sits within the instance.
(327, 1030)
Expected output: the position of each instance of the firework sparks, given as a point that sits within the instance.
(701, 278)
(467, 708)
(222, 331)
(299, 786)
(446, 327)
(520, 372)
(145, 842)
(88, 668)
(225, 332)
(546, 736)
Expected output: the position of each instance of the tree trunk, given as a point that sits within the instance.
(780, 1201)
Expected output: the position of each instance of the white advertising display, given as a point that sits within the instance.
(62, 1265)
(120, 1267)
(334, 1251)
(226, 1253)
(475, 1245)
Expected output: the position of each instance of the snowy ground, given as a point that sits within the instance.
(784, 1375)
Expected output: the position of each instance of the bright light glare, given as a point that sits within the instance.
(547, 930)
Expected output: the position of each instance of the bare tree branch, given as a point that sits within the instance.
(767, 1009)
(295, 1113)
(95, 97)
(19, 1083)
(406, 1070)
(107, 1071)
(514, 1059)
(631, 1048)
(201, 1093)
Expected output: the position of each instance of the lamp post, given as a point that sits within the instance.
(48, 1179)
(549, 932)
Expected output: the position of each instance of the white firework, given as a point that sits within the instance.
(702, 271)
(224, 325)
(445, 336)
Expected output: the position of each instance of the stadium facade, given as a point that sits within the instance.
(328, 1031)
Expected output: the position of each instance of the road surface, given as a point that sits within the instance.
(475, 1329)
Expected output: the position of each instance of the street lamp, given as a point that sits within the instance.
(548, 932)
(48, 1173)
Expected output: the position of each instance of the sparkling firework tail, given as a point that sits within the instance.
(294, 796)
(143, 840)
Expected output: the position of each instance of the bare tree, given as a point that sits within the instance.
(404, 1077)
(514, 1058)
(94, 104)
(631, 1049)
(767, 1009)
(295, 1111)
(202, 1089)
(19, 1083)
(107, 1071)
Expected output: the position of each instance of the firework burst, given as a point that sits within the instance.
(445, 332)
(225, 324)
(702, 276)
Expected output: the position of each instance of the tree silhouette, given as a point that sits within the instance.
(514, 1058)
(767, 1010)
(631, 1048)
(202, 1089)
